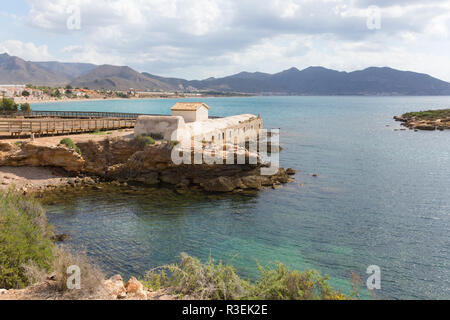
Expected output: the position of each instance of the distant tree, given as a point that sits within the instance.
(56, 93)
(69, 87)
(25, 108)
(68, 92)
(25, 93)
(8, 105)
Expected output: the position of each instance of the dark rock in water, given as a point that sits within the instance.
(290, 171)
(61, 237)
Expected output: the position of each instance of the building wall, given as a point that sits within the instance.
(191, 116)
(234, 129)
(160, 125)
(202, 114)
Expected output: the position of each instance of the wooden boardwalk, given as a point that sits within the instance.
(19, 127)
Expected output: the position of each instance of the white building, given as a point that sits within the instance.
(191, 111)
(190, 121)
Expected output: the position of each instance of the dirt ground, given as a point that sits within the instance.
(33, 178)
(83, 137)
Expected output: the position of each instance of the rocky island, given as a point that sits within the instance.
(426, 120)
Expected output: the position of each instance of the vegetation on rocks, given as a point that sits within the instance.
(426, 120)
(24, 239)
(70, 144)
(27, 253)
(143, 140)
(428, 115)
(207, 280)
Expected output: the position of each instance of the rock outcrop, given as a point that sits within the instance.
(415, 123)
(123, 160)
(38, 155)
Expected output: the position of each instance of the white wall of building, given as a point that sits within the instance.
(201, 114)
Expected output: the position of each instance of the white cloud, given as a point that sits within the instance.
(191, 38)
(25, 50)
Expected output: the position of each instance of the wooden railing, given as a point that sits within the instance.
(62, 126)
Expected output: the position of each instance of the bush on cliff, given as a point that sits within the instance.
(218, 281)
(143, 140)
(70, 144)
(24, 238)
(281, 283)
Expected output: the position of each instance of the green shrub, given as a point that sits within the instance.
(429, 114)
(173, 143)
(8, 105)
(281, 283)
(70, 144)
(24, 238)
(202, 281)
(143, 140)
(25, 107)
(219, 281)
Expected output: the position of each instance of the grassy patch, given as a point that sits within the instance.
(24, 239)
(429, 114)
(143, 140)
(101, 133)
(219, 281)
(70, 144)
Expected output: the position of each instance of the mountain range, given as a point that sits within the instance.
(309, 81)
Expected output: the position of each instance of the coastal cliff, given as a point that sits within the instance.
(126, 160)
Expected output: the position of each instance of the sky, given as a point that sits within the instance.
(197, 39)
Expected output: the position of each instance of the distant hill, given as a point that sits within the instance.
(309, 81)
(118, 78)
(322, 81)
(14, 70)
(69, 71)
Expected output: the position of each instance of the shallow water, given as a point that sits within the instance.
(382, 197)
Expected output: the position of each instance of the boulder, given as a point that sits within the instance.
(221, 184)
(150, 178)
(134, 287)
(115, 286)
(290, 171)
(61, 237)
(252, 182)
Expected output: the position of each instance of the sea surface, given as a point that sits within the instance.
(382, 197)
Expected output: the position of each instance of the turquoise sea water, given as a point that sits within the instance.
(382, 198)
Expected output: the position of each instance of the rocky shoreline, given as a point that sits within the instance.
(426, 120)
(121, 160)
(113, 288)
